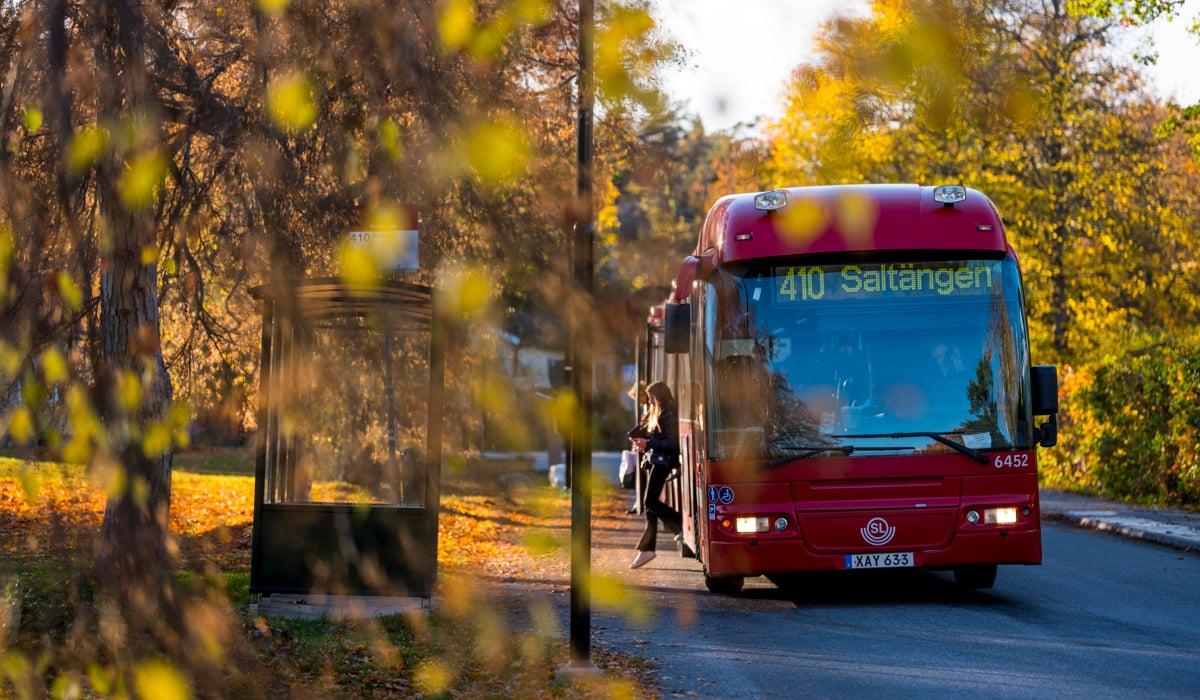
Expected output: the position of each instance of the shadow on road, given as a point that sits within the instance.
(873, 587)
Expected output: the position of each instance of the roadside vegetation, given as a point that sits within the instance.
(476, 642)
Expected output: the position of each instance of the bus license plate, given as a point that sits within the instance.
(890, 560)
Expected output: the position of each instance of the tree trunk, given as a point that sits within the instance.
(133, 543)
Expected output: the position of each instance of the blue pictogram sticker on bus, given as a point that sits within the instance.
(712, 493)
(712, 511)
(725, 495)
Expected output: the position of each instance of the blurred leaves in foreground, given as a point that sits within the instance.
(476, 642)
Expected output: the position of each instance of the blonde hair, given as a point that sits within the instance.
(661, 400)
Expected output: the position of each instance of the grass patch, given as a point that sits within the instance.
(217, 460)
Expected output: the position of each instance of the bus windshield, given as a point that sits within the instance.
(856, 358)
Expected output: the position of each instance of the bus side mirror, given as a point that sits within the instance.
(1045, 403)
(677, 328)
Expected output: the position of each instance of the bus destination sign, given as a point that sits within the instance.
(814, 282)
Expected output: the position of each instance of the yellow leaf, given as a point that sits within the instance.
(611, 593)
(534, 11)
(20, 425)
(54, 366)
(86, 146)
(433, 677)
(497, 150)
(270, 8)
(31, 481)
(539, 543)
(113, 477)
(77, 450)
(10, 360)
(65, 686)
(100, 678)
(456, 23)
(801, 221)
(468, 291)
(14, 665)
(490, 38)
(32, 119)
(563, 411)
(129, 391)
(7, 244)
(149, 255)
(1021, 105)
(84, 423)
(69, 291)
(856, 217)
(157, 440)
(388, 216)
(389, 138)
(142, 182)
(357, 267)
(291, 102)
(619, 43)
(160, 681)
(179, 415)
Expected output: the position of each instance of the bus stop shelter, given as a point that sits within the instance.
(349, 441)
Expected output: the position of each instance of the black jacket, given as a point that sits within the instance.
(664, 443)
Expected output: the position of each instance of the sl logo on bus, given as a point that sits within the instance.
(878, 532)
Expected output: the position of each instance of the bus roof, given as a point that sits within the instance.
(850, 218)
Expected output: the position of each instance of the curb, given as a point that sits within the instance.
(1130, 526)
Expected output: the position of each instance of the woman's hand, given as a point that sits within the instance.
(639, 444)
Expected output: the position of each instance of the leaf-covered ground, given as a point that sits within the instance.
(48, 509)
(50, 514)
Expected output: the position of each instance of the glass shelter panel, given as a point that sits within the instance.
(352, 411)
(804, 358)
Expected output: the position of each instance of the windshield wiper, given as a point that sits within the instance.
(940, 437)
(813, 450)
(806, 451)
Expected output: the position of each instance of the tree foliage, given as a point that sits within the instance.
(159, 160)
(1022, 100)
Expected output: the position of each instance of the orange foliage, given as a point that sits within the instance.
(50, 510)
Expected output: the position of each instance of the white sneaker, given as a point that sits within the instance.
(643, 558)
(679, 538)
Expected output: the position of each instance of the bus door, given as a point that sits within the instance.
(688, 487)
(651, 365)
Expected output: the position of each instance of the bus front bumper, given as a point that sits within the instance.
(769, 556)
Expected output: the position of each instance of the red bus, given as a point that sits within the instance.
(854, 384)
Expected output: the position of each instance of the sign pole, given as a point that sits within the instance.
(581, 361)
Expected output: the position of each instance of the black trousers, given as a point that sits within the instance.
(655, 510)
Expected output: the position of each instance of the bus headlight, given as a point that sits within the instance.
(753, 524)
(1000, 516)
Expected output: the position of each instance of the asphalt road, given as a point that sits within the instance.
(1102, 617)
